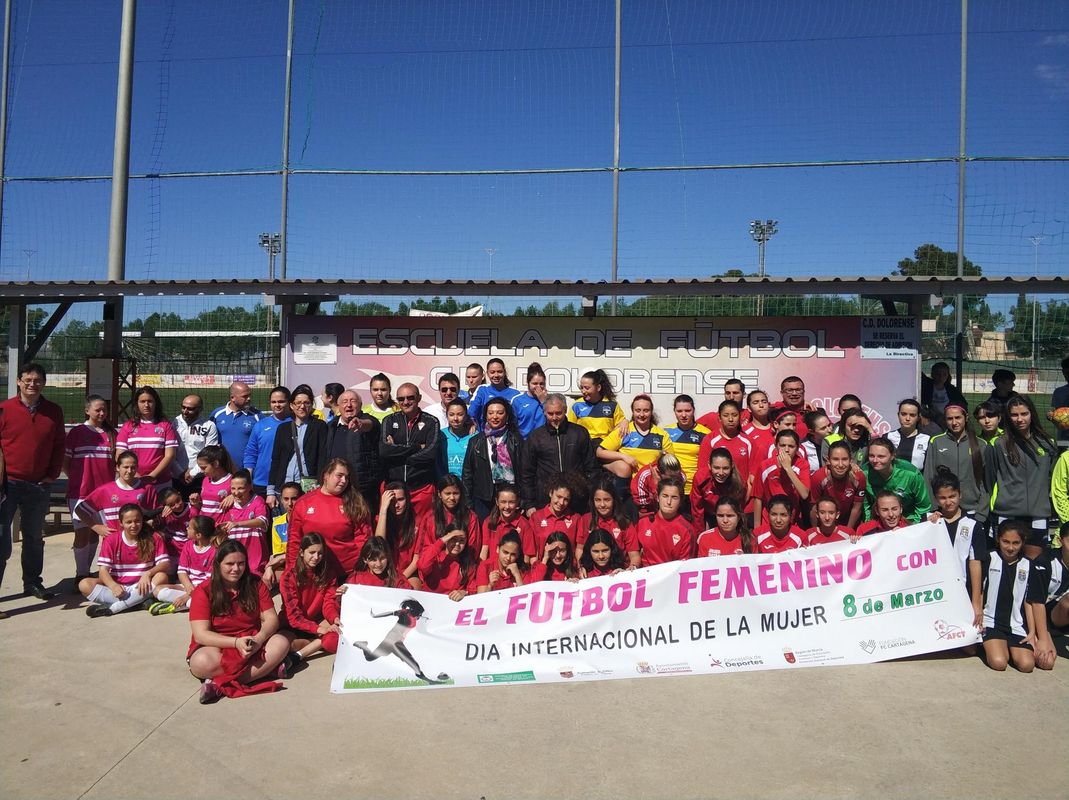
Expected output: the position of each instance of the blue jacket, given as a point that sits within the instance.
(258, 450)
(529, 413)
(483, 395)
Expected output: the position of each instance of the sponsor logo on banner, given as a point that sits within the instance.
(199, 380)
(826, 605)
(947, 631)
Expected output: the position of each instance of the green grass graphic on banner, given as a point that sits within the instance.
(386, 683)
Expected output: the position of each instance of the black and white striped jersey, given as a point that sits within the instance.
(1007, 587)
(1052, 575)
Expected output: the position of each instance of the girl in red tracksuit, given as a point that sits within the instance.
(305, 589)
(375, 567)
(780, 534)
(667, 535)
(449, 509)
(730, 536)
(607, 514)
(506, 568)
(558, 561)
(505, 517)
(447, 565)
(602, 555)
(556, 516)
(396, 526)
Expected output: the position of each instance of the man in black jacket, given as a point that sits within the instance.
(558, 446)
(409, 448)
(354, 436)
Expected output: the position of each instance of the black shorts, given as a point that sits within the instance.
(1060, 629)
(1011, 639)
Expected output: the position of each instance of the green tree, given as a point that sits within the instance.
(1051, 324)
(930, 260)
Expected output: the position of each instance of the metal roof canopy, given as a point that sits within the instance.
(320, 290)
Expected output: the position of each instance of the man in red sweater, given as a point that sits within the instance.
(31, 457)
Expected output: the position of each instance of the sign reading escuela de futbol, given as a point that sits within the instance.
(876, 357)
(888, 596)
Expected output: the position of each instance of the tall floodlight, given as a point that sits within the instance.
(489, 298)
(272, 244)
(761, 232)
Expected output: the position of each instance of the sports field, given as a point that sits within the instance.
(102, 708)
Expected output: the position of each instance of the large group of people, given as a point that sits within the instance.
(493, 486)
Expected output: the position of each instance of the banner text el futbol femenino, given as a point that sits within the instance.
(874, 357)
(888, 596)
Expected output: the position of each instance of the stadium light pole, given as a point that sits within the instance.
(1036, 242)
(761, 232)
(272, 244)
(489, 298)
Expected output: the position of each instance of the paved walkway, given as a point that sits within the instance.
(106, 708)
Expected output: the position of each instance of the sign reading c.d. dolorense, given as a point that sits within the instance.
(888, 596)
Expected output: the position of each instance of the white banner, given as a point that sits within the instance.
(888, 596)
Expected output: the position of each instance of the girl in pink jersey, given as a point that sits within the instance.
(172, 523)
(214, 496)
(131, 563)
(89, 462)
(100, 510)
(730, 536)
(194, 567)
(152, 437)
(246, 521)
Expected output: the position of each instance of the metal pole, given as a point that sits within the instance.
(286, 146)
(616, 157)
(490, 298)
(3, 109)
(959, 338)
(16, 344)
(120, 175)
(1036, 240)
(760, 274)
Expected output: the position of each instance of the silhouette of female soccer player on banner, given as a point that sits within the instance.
(393, 643)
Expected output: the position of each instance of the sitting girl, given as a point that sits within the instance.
(131, 562)
(306, 589)
(506, 568)
(194, 567)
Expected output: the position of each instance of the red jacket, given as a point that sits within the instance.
(364, 577)
(544, 522)
(442, 573)
(32, 444)
(663, 540)
(504, 580)
(322, 513)
(492, 533)
(303, 606)
(875, 526)
(765, 541)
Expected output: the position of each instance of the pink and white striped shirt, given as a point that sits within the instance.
(150, 441)
(123, 561)
(92, 461)
(252, 538)
(175, 528)
(105, 501)
(196, 563)
(213, 493)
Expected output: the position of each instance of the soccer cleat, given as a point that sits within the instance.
(209, 692)
(160, 607)
(98, 610)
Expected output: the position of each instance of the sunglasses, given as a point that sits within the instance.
(448, 390)
(408, 398)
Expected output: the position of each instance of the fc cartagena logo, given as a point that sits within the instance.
(868, 645)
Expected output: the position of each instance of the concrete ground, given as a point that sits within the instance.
(106, 708)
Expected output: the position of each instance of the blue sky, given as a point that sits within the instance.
(463, 85)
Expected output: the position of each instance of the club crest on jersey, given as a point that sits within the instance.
(1022, 575)
(310, 510)
(115, 498)
(675, 538)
